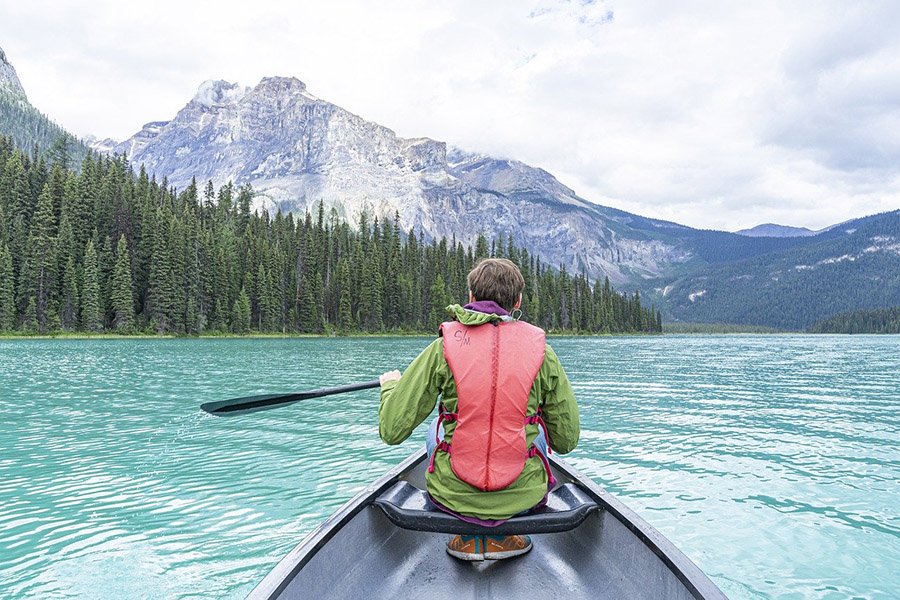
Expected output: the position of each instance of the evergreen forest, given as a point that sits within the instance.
(104, 249)
(879, 320)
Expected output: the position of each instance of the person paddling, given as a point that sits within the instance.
(506, 402)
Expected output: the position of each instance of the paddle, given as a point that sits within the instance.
(247, 404)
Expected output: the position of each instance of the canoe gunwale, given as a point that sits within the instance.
(683, 567)
(280, 576)
(694, 579)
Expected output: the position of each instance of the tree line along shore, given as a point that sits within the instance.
(878, 320)
(103, 249)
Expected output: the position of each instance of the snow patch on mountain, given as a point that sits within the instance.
(693, 296)
(219, 93)
(104, 146)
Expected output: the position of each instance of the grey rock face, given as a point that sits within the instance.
(8, 78)
(296, 149)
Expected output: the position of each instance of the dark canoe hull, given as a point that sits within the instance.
(359, 553)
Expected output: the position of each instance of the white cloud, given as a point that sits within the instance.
(710, 114)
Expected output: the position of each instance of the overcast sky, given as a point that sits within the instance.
(712, 114)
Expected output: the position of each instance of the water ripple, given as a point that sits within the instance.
(772, 461)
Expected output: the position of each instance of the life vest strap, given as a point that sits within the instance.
(443, 416)
(533, 451)
(538, 419)
(442, 445)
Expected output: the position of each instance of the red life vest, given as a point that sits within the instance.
(494, 367)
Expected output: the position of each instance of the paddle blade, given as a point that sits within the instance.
(248, 404)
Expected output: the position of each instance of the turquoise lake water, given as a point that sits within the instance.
(773, 462)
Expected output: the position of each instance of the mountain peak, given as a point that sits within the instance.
(280, 86)
(8, 77)
(219, 93)
(282, 83)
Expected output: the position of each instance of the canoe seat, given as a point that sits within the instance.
(408, 507)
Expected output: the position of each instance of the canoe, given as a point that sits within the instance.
(389, 543)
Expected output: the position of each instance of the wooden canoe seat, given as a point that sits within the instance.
(408, 507)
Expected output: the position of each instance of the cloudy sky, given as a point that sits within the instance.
(712, 114)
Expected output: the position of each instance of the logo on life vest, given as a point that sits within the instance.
(461, 337)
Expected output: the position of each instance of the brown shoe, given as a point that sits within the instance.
(499, 547)
(466, 547)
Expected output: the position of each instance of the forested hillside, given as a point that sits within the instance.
(27, 126)
(851, 267)
(104, 249)
(879, 320)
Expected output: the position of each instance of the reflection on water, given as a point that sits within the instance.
(771, 461)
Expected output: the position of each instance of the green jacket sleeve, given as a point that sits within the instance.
(407, 402)
(560, 409)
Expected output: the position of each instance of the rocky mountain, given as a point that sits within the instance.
(297, 149)
(9, 81)
(27, 126)
(773, 230)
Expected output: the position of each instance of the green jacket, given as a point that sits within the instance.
(406, 403)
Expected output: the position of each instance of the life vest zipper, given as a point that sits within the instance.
(495, 374)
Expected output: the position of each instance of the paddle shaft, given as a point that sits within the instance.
(248, 404)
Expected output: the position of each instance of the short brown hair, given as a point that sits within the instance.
(496, 279)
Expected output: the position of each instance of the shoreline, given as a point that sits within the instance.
(358, 335)
(419, 334)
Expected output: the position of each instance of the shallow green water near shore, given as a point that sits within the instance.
(773, 462)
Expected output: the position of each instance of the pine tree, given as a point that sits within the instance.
(240, 313)
(59, 151)
(345, 314)
(177, 244)
(39, 271)
(161, 288)
(439, 300)
(7, 298)
(106, 259)
(15, 189)
(122, 290)
(68, 302)
(90, 290)
(318, 295)
(245, 196)
(481, 247)
(264, 299)
(393, 299)
(308, 316)
(371, 310)
(3, 235)
(29, 323)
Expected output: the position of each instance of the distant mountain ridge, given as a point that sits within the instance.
(853, 266)
(773, 230)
